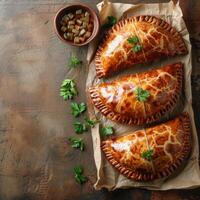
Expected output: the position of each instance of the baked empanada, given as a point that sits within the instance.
(139, 98)
(137, 40)
(151, 153)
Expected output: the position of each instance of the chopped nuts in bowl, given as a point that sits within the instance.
(76, 24)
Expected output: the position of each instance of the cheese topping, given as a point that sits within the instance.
(112, 46)
(123, 146)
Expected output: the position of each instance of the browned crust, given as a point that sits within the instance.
(125, 119)
(181, 46)
(169, 170)
(187, 143)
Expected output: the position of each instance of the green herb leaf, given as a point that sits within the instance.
(79, 127)
(90, 122)
(133, 40)
(82, 107)
(110, 22)
(78, 175)
(77, 143)
(137, 48)
(80, 178)
(142, 95)
(148, 155)
(107, 130)
(78, 170)
(74, 62)
(77, 109)
(68, 89)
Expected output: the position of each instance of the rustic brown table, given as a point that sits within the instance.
(35, 160)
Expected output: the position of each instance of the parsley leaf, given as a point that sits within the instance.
(110, 22)
(90, 122)
(77, 109)
(78, 175)
(83, 127)
(148, 155)
(79, 127)
(77, 143)
(137, 48)
(78, 170)
(68, 89)
(107, 130)
(141, 95)
(74, 62)
(80, 178)
(133, 40)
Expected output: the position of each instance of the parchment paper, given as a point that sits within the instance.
(107, 176)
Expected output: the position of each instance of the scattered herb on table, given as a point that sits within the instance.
(110, 22)
(134, 40)
(74, 62)
(68, 89)
(107, 130)
(142, 95)
(77, 109)
(79, 127)
(77, 143)
(78, 175)
(148, 155)
(90, 122)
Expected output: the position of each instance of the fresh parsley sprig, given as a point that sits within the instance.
(80, 127)
(90, 122)
(83, 127)
(78, 175)
(134, 40)
(74, 62)
(77, 143)
(107, 130)
(111, 20)
(142, 95)
(68, 89)
(137, 48)
(77, 109)
(148, 155)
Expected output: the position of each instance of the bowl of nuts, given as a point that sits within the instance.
(76, 24)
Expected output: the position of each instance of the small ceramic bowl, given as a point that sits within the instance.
(72, 8)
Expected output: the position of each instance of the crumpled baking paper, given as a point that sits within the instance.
(107, 176)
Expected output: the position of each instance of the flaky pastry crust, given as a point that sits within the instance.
(169, 141)
(156, 37)
(118, 101)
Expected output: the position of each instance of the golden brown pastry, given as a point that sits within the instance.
(137, 40)
(151, 153)
(139, 98)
